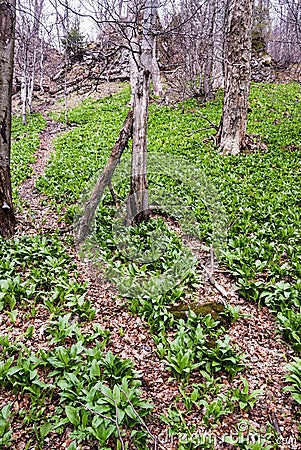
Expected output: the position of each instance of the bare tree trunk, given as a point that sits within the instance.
(134, 58)
(24, 97)
(208, 86)
(138, 207)
(66, 95)
(232, 130)
(218, 43)
(156, 77)
(7, 34)
(31, 82)
(138, 198)
(28, 51)
(42, 67)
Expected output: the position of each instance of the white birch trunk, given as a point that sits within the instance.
(31, 82)
(42, 67)
(24, 97)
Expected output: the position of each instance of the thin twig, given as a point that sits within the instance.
(154, 438)
(214, 283)
(108, 418)
(275, 422)
(201, 129)
(114, 195)
(116, 417)
(96, 412)
(212, 125)
(118, 429)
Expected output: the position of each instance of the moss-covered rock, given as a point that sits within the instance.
(217, 311)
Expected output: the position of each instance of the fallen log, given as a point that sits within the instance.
(75, 82)
(82, 227)
(114, 78)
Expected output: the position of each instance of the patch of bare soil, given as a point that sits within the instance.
(58, 102)
(77, 96)
(35, 215)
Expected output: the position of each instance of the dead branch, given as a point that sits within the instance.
(214, 283)
(275, 423)
(87, 408)
(115, 421)
(83, 225)
(114, 195)
(116, 417)
(212, 125)
(154, 438)
(199, 130)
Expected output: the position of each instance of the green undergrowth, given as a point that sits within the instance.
(260, 191)
(76, 384)
(84, 149)
(94, 393)
(261, 198)
(25, 142)
(152, 274)
(37, 270)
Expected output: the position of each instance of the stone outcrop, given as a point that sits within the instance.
(263, 68)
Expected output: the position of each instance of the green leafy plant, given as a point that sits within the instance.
(242, 396)
(215, 409)
(211, 385)
(81, 306)
(233, 312)
(294, 378)
(63, 328)
(5, 429)
(223, 357)
(23, 376)
(191, 399)
(180, 362)
(290, 323)
(86, 382)
(25, 142)
(41, 432)
(116, 369)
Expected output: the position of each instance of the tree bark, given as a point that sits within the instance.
(7, 35)
(156, 76)
(237, 54)
(24, 97)
(218, 43)
(141, 65)
(208, 71)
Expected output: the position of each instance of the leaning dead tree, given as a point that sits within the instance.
(7, 32)
(83, 226)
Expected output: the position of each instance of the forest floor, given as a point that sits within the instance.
(255, 334)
